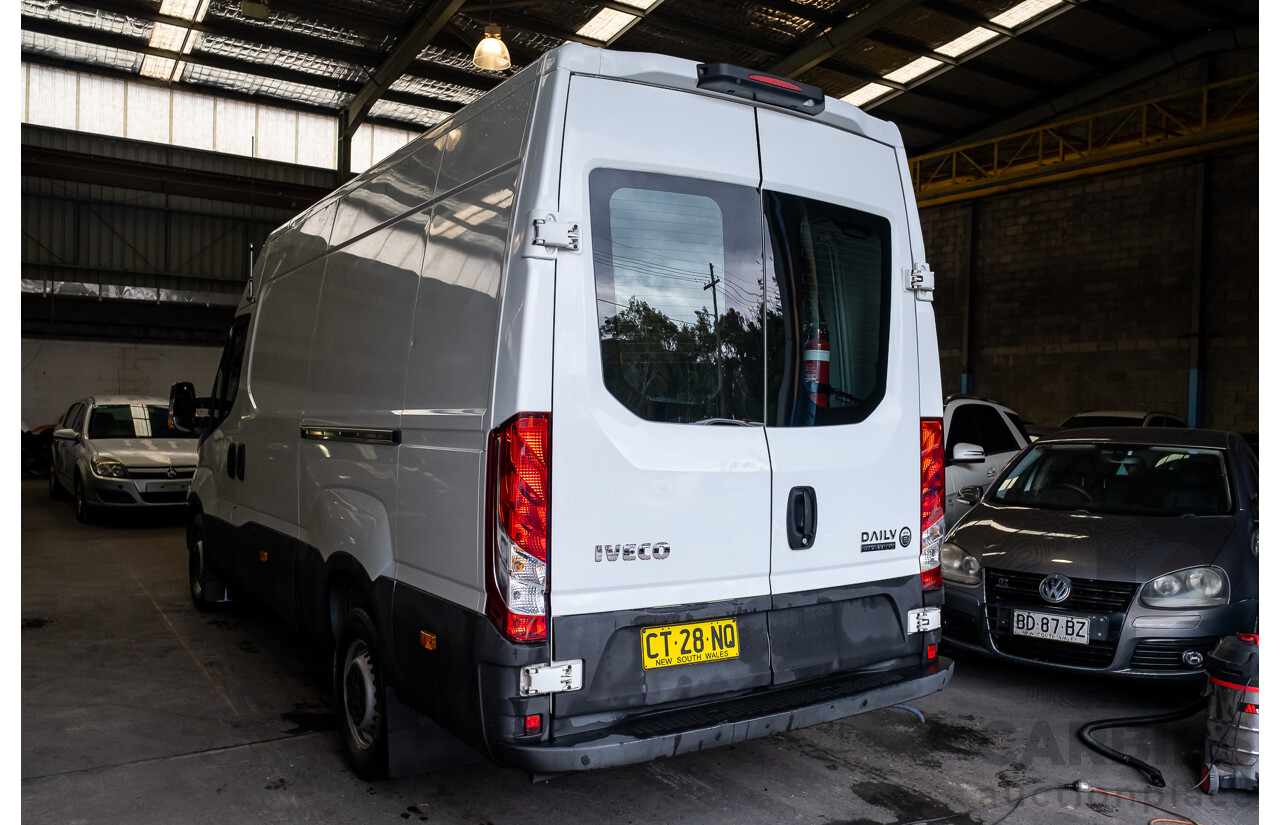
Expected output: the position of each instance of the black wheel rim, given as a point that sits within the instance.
(359, 695)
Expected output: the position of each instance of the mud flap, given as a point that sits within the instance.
(417, 745)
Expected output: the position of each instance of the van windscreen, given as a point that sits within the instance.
(691, 329)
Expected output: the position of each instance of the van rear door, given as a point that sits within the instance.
(660, 467)
(844, 421)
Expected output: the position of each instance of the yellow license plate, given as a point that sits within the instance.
(687, 644)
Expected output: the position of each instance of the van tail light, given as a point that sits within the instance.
(517, 515)
(932, 500)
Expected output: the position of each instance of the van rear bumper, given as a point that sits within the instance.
(752, 716)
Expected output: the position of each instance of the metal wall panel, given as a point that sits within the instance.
(148, 114)
(193, 120)
(102, 105)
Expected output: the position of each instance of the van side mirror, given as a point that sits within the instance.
(182, 406)
(966, 453)
(969, 495)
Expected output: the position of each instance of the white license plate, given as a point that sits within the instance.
(1074, 629)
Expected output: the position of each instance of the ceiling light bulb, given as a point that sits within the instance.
(491, 53)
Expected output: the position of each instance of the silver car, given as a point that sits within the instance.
(121, 452)
(1129, 551)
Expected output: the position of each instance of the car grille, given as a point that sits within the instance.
(959, 626)
(1090, 595)
(161, 473)
(1096, 654)
(1166, 654)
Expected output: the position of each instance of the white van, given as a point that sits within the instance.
(600, 423)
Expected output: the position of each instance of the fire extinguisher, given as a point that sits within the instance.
(817, 365)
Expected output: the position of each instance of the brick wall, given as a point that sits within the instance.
(1082, 291)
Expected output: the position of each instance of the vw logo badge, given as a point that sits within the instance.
(1055, 588)
(172, 473)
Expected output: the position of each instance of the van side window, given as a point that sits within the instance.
(227, 381)
(828, 328)
(678, 295)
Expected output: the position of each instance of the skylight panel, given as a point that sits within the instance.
(1023, 12)
(610, 23)
(967, 42)
(913, 70)
(866, 94)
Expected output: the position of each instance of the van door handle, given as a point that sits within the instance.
(235, 461)
(802, 517)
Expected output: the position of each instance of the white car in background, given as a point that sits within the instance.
(121, 452)
(981, 437)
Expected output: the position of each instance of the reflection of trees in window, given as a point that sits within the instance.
(668, 371)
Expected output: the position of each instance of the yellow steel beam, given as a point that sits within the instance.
(1201, 120)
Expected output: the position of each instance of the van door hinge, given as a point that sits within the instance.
(920, 281)
(556, 232)
(556, 677)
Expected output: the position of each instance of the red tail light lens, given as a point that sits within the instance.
(932, 500)
(519, 509)
(524, 478)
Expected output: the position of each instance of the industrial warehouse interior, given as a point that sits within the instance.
(901, 357)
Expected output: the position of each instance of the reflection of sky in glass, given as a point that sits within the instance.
(664, 246)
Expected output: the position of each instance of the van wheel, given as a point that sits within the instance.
(84, 510)
(205, 584)
(359, 693)
(56, 490)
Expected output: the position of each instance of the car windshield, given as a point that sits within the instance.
(133, 421)
(1129, 479)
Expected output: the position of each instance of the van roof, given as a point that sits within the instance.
(678, 73)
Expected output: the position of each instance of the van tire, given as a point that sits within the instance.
(203, 583)
(84, 510)
(360, 694)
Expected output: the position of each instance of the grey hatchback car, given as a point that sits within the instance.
(1122, 551)
(120, 451)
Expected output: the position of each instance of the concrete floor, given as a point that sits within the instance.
(137, 709)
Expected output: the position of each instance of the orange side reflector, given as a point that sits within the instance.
(427, 640)
(262, 555)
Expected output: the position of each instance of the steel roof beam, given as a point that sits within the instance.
(1130, 21)
(310, 45)
(965, 15)
(972, 54)
(840, 36)
(112, 40)
(404, 54)
(1155, 61)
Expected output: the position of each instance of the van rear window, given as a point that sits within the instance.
(696, 329)
(678, 298)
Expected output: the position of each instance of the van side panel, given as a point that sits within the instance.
(449, 373)
(359, 355)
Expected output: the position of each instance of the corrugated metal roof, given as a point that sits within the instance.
(321, 54)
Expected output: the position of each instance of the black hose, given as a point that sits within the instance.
(1153, 776)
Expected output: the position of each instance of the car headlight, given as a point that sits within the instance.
(958, 567)
(1192, 587)
(107, 467)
